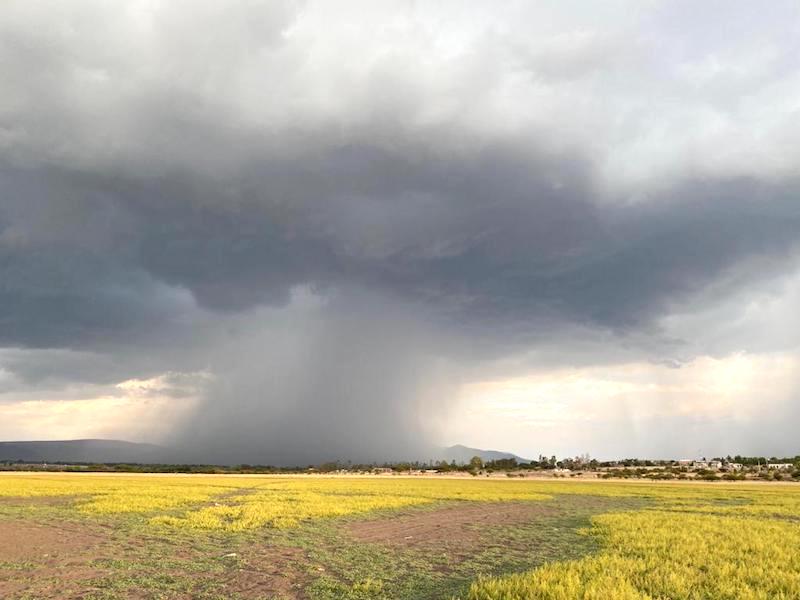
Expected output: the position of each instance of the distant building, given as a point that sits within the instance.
(734, 466)
(700, 464)
(685, 462)
(780, 466)
(715, 464)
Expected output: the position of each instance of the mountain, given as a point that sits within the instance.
(463, 454)
(118, 451)
(90, 451)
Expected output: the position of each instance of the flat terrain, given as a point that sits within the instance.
(316, 538)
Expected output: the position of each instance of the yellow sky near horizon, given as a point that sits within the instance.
(558, 409)
(545, 412)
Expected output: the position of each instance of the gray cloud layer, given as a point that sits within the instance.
(492, 179)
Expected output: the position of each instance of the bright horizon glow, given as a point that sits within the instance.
(570, 411)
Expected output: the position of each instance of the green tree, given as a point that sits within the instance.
(475, 463)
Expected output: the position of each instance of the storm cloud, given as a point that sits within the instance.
(339, 215)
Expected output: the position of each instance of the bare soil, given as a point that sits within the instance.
(24, 541)
(268, 572)
(60, 560)
(461, 525)
(37, 500)
(31, 554)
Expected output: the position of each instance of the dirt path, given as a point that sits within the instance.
(458, 524)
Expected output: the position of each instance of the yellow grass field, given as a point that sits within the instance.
(681, 541)
(708, 552)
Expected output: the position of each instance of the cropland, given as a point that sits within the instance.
(106, 536)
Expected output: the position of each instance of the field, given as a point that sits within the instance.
(362, 538)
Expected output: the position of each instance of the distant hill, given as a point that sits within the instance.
(463, 454)
(91, 451)
(118, 451)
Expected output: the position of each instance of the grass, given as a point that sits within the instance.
(241, 503)
(198, 536)
(372, 571)
(689, 548)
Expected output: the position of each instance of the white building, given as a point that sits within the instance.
(780, 466)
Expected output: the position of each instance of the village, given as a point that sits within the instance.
(582, 467)
(579, 467)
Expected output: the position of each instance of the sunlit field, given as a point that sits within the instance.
(377, 537)
(697, 551)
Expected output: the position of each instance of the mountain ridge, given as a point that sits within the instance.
(98, 450)
(82, 450)
(463, 454)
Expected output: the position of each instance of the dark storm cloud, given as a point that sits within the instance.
(490, 242)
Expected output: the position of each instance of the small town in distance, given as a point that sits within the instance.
(736, 468)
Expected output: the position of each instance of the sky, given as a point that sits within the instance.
(287, 232)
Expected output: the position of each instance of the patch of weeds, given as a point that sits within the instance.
(373, 571)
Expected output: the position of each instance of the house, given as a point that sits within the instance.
(715, 464)
(685, 462)
(780, 466)
(700, 464)
(734, 466)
